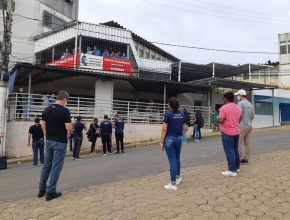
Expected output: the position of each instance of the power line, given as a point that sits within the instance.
(224, 11)
(218, 16)
(168, 44)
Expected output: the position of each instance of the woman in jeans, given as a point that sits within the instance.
(198, 124)
(171, 140)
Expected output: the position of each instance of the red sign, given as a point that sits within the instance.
(66, 62)
(118, 65)
(93, 63)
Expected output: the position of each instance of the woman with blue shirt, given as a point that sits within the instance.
(171, 140)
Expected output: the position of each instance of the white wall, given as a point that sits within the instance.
(16, 144)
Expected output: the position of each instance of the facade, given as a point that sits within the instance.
(33, 17)
(284, 69)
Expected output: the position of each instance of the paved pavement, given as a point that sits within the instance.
(261, 191)
(20, 181)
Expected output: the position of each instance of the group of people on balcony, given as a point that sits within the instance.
(98, 52)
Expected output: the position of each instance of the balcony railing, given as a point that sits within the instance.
(23, 106)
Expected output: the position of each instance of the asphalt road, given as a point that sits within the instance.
(21, 181)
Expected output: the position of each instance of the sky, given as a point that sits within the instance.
(243, 25)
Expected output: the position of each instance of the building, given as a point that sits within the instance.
(33, 17)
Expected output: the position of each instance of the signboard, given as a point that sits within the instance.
(92, 62)
(66, 62)
(117, 65)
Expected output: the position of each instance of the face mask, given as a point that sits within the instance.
(239, 98)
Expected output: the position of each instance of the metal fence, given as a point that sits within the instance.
(22, 106)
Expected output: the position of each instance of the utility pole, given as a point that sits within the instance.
(4, 68)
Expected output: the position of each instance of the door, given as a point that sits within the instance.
(285, 112)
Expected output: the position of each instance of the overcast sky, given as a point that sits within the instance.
(248, 25)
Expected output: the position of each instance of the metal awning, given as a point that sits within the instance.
(192, 72)
(232, 84)
(42, 74)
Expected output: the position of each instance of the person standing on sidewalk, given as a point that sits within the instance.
(106, 135)
(174, 124)
(119, 133)
(93, 133)
(245, 125)
(229, 118)
(79, 126)
(36, 133)
(56, 125)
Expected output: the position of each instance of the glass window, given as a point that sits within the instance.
(289, 48)
(141, 53)
(158, 58)
(264, 108)
(283, 38)
(147, 55)
(51, 21)
(283, 49)
(152, 57)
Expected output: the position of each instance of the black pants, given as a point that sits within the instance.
(119, 140)
(106, 140)
(77, 147)
(93, 145)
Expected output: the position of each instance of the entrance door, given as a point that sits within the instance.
(285, 112)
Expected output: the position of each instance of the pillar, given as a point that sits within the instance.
(104, 95)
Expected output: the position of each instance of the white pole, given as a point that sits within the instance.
(76, 46)
(179, 71)
(213, 69)
(3, 102)
(250, 73)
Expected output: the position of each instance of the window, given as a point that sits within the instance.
(141, 53)
(289, 48)
(158, 58)
(152, 57)
(51, 21)
(283, 38)
(197, 103)
(147, 55)
(5, 4)
(283, 49)
(263, 108)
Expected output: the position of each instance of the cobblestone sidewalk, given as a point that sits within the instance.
(261, 191)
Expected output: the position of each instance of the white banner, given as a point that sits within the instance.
(91, 62)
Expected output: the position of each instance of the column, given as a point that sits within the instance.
(104, 95)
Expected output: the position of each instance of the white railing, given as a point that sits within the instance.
(23, 106)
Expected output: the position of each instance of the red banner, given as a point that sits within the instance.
(118, 65)
(66, 62)
(93, 63)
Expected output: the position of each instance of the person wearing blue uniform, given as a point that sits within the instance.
(106, 134)
(79, 126)
(119, 133)
(174, 123)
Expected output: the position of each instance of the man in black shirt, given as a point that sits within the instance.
(56, 125)
(36, 133)
(106, 134)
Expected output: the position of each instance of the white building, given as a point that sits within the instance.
(284, 48)
(33, 17)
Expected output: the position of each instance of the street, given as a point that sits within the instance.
(21, 180)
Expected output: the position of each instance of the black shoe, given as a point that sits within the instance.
(117, 152)
(51, 196)
(242, 161)
(246, 161)
(123, 151)
(41, 193)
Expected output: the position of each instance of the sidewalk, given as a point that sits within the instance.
(261, 191)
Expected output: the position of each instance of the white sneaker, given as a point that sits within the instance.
(169, 186)
(229, 173)
(178, 181)
(238, 170)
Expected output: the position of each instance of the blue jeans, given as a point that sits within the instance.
(38, 146)
(196, 132)
(172, 147)
(53, 163)
(231, 145)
